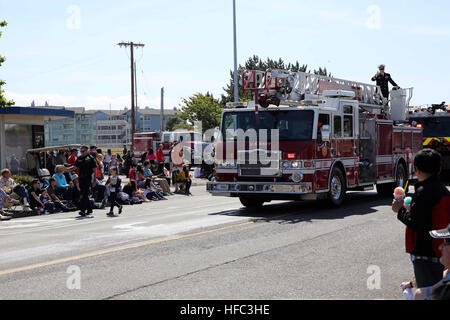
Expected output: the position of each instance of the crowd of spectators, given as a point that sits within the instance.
(149, 179)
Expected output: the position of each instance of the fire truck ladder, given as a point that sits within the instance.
(285, 87)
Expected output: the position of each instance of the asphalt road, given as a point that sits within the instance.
(205, 247)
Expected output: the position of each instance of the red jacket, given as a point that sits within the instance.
(429, 211)
(160, 155)
(71, 161)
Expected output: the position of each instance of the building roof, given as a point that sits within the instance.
(42, 112)
(154, 111)
(124, 111)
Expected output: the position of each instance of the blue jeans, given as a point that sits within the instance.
(21, 192)
(50, 207)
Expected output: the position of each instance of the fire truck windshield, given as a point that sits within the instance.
(434, 127)
(293, 125)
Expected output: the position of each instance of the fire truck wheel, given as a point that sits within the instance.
(250, 203)
(336, 196)
(387, 189)
(400, 178)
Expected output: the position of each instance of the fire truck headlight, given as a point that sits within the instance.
(226, 164)
(286, 165)
(296, 164)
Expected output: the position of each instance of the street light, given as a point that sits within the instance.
(236, 92)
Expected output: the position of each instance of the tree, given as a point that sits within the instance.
(202, 108)
(256, 63)
(172, 122)
(183, 126)
(3, 101)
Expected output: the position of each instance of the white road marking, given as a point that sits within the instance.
(129, 227)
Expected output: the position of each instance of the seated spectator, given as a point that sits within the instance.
(441, 290)
(152, 191)
(75, 191)
(62, 186)
(10, 187)
(140, 176)
(49, 205)
(60, 204)
(3, 198)
(133, 192)
(156, 169)
(35, 202)
(147, 171)
(184, 178)
(162, 182)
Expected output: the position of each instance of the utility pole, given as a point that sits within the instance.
(135, 86)
(133, 111)
(236, 88)
(161, 116)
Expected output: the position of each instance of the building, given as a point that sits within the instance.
(112, 133)
(21, 129)
(108, 129)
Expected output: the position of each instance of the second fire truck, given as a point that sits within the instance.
(435, 121)
(334, 136)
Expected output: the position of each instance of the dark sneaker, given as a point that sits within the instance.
(110, 214)
(120, 209)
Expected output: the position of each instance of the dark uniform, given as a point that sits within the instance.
(382, 81)
(85, 164)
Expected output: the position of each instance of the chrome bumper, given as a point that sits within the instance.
(263, 188)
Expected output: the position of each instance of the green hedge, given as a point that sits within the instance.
(23, 180)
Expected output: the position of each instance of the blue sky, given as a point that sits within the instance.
(55, 54)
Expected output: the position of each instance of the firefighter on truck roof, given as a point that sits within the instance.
(382, 78)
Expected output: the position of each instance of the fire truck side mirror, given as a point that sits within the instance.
(325, 133)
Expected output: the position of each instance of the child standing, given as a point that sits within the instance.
(113, 184)
(419, 219)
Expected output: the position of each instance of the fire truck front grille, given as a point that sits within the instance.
(264, 166)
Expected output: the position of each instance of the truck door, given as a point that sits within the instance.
(385, 160)
(348, 147)
(367, 151)
(337, 136)
(323, 147)
(323, 150)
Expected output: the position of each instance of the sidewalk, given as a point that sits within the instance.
(195, 181)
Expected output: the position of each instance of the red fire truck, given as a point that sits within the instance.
(145, 141)
(435, 121)
(333, 136)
